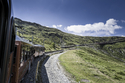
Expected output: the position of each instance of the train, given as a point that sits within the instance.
(7, 40)
(24, 54)
(22, 59)
(39, 50)
(16, 54)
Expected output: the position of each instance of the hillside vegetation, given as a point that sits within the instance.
(54, 38)
(93, 66)
(96, 65)
(116, 50)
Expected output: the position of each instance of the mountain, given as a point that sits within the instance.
(54, 38)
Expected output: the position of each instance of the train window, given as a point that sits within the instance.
(28, 48)
(14, 57)
(32, 50)
(29, 54)
(26, 55)
(1, 27)
(22, 56)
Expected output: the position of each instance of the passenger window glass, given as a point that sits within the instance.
(22, 54)
(26, 53)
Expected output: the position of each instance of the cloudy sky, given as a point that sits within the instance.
(80, 17)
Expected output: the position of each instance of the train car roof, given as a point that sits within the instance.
(38, 45)
(23, 40)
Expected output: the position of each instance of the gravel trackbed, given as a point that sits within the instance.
(51, 72)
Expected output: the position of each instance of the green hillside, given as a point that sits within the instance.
(88, 65)
(54, 38)
(116, 50)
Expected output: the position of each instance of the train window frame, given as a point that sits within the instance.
(14, 55)
(13, 36)
(32, 51)
(1, 33)
(27, 51)
(22, 55)
(21, 61)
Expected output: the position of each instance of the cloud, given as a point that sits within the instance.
(56, 26)
(78, 34)
(59, 25)
(123, 21)
(47, 26)
(122, 35)
(96, 28)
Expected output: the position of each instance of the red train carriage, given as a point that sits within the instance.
(23, 57)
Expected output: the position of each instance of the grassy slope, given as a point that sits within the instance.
(117, 49)
(94, 66)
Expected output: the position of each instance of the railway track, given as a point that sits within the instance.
(51, 71)
(30, 76)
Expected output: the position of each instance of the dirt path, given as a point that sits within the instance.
(51, 72)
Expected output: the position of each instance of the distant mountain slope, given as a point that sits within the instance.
(52, 35)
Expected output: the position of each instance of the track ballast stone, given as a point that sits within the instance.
(30, 76)
(51, 73)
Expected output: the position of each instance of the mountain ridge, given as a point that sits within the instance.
(55, 37)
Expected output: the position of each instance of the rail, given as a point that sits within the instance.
(53, 52)
(99, 43)
(37, 76)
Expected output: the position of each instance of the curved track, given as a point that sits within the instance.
(30, 76)
(51, 73)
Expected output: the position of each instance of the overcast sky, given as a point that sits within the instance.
(80, 17)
